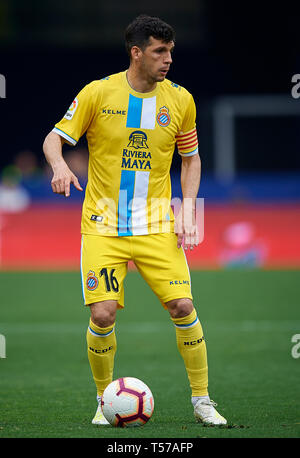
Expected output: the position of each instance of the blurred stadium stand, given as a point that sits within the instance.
(239, 69)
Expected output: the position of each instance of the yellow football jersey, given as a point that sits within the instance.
(131, 140)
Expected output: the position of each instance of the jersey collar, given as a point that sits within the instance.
(143, 95)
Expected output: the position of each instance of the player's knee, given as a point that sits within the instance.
(179, 308)
(103, 314)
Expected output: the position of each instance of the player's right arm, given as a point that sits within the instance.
(73, 125)
(62, 175)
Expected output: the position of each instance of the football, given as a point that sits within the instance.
(127, 401)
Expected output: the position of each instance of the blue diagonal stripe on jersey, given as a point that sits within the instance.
(125, 202)
(134, 112)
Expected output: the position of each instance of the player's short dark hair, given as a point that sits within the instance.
(143, 27)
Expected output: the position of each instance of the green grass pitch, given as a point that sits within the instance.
(249, 318)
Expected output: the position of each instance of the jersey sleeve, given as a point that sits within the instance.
(186, 139)
(78, 117)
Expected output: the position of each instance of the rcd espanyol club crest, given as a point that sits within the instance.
(91, 281)
(163, 117)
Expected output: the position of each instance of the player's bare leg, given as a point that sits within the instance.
(103, 313)
(101, 342)
(192, 347)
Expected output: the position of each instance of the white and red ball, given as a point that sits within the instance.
(127, 401)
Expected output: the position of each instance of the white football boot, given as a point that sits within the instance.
(205, 412)
(99, 418)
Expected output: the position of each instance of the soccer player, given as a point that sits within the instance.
(132, 121)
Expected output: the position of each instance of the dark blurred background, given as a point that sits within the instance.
(237, 59)
(50, 49)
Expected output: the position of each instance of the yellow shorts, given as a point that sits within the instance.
(104, 264)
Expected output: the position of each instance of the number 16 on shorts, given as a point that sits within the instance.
(111, 282)
(101, 285)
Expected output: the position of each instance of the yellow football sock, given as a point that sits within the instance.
(192, 347)
(102, 345)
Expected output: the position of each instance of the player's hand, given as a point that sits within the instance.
(62, 179)
(186, 230)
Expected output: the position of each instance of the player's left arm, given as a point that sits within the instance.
(187, 144)
(185, 223)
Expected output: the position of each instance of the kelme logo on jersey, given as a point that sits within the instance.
(91, 281)
(137, 139)
(72, 108)
(163, 118)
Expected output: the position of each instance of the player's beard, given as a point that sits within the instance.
(156, 77)
(153, 76)
(160, 76)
